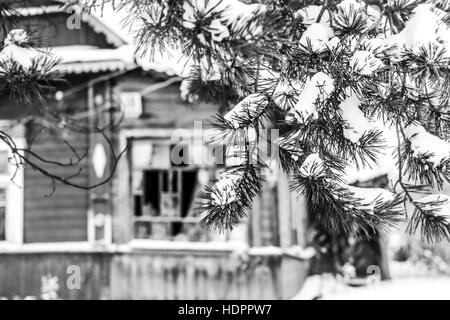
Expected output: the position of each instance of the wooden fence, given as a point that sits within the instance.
(154, 275)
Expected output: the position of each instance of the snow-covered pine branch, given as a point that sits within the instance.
(426, 145)
(246, 111)
(315, 91)
(25, 71)
(425, 157)
(331, 78)
(342, 207)
(432, 214)
(225, 203)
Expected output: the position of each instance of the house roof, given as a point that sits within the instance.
(114, 35)
(90, 59)
(77, 59)
(84, 59)
(171, 63)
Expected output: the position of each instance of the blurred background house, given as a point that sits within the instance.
(137, 236)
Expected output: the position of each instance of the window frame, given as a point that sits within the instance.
(239, 235)
(160, 171)
(14, 190)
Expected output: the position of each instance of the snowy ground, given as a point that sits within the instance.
(404, 289)
(414, 288)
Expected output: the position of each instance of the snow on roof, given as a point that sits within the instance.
(173, 63)
(113, 34)
(71, 54)
(112, 20)
(80, 59)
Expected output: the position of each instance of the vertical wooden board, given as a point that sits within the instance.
(117, 278)
(284, 210)
(166, 283)
(204, 289)
(182, 281)
(292, 275)
(153, 284)
(30, 279)
(255, 223)
(11, 276)
(299, 217)
(122, 206)
(200, 283)
(146, 277)
(158, 280)
(244, 284)
(269, 216)
(267, 286)
(105, 293)
(190, 278)
(127, 273)
(230, 285)
(220, 287)
(253, 285)
(212, 272)
(133, 291)
(113, 278)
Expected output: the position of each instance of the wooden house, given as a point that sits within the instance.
(135, 237)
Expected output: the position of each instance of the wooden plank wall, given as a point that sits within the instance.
(59, 214)
(51, 31)
(164, 107)
(20, 274)
(161, 276)
(156, 275)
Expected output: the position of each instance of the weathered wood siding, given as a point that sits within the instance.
(52, 212)
(163, 107)
(55, 212)
(51, 31)
(155, 275)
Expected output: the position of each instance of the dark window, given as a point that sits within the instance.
(164, 195)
